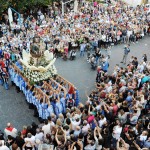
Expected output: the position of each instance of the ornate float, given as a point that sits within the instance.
(38, 64)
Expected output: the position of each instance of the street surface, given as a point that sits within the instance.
(13, 106)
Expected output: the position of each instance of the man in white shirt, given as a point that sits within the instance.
(29, 140)
(46, 128)
(51, 123)
(3, 147)
(39, 135)
(108, 87)
(101, 121)
(116, 134)
(75, 122)
(85, 127)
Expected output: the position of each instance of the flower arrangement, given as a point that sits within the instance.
(36, 76)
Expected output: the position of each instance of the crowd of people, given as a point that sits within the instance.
(96, 24)
(116, 114)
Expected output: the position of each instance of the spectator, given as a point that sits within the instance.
(10, 130)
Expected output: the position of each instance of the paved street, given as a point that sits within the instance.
(14, 109)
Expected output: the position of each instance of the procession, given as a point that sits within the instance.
(39, 44)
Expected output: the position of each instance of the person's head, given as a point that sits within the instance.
(58, 122)
(66, 127)
(24, 127)
(46, 122)
(77, 119)
(34, 125)
(49, 118)
(85, 122)
(61, 116)
(129, 93)
(9, 125)
(102, 116)
(37, 130)
(121, 111)
(68, 121)
(144, 133)
(52, 115)
(48, 136)
(29, 135)
(78, 128)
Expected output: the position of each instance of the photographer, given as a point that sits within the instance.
(126, 52)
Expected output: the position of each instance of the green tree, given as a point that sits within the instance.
(23, 5)
(3, 5)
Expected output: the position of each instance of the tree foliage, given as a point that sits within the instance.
(3, 5)
(23, 5)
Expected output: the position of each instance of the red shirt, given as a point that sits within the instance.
(2, 64)
(90, 119)
(6, 55)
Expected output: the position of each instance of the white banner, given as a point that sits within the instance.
(10, 17)
(76, 6)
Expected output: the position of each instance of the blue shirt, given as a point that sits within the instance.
(58, 108)
(129, 99)
(1, 53)
(126, 50)
(105, 66)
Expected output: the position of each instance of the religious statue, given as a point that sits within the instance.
(39, 63)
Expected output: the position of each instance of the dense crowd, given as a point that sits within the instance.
(116, 114)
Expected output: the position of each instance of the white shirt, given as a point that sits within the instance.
(75, 123)
(32, 140)
(13, 133)
(101, 122)
(4, 147)
(108, 89)
(117, 132)
(46, 129)
(85, 129)
(51, 124)
(143, 138)
(39, 136)
(90, 147)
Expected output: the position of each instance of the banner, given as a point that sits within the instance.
(10, 17)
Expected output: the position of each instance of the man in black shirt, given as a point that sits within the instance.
(135, 62)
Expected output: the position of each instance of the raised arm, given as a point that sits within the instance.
(95, 134)
(136, 145)
(58, 142)
(99, 134)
